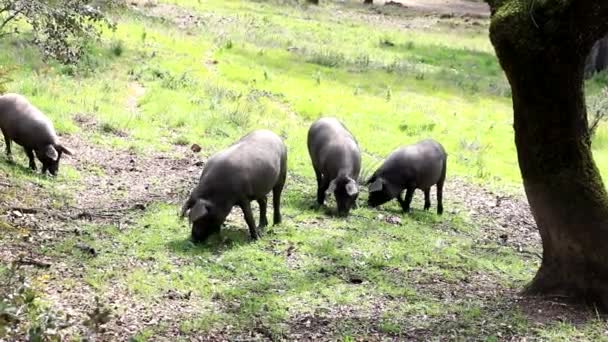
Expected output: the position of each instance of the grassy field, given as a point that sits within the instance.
(183, 72)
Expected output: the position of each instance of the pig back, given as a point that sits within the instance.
(24, 123)
(248, 169)
(420, 165)
(333, 148)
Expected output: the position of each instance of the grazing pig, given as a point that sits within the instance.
(417, 166)
(24, 124)
(336, 160)
(248, 170)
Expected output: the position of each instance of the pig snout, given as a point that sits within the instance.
(203, 229)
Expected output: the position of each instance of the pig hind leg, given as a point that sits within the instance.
(321, 187)
(440, 189)
(246, 207)
(262, 201)
(276, 196)
(30, 156)
(427, 198)
(7, 142)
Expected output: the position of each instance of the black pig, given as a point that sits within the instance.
(247, 170)
(417, 166)
(336, 159)
(27, 126)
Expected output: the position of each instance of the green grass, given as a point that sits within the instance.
(256, 64)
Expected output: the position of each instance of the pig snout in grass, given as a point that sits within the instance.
(22, 123)
(247, 170)
(417, 166)
(336, 160)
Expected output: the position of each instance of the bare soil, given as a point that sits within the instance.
(475, 9)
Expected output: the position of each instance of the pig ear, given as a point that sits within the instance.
(197, 211)
(332, 187)
(189, 203)
(50, 152)
(351, 188)
(64, 149)
(376, 185)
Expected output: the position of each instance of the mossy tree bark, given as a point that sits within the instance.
(542, 47)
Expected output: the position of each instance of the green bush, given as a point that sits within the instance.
(4, 79)
(61, 29)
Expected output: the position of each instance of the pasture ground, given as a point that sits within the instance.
(99, 251)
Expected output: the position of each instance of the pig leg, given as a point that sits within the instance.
(440, 198)
(246, 207)
(276, 200)
(440, 189)
(262, 201)
(30, 156)
(405, 203)
(321, 188)
(427, 198)
(7, 142)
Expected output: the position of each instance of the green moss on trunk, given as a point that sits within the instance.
(543, 52)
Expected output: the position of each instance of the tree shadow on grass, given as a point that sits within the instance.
(229, 237)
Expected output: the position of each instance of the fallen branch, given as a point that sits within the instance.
(33, 262)
(27, 210)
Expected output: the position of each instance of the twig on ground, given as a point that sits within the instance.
(27, 210)
(33, 262)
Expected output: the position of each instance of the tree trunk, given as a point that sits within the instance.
(543, 53)
(368, 2)
(314, 2)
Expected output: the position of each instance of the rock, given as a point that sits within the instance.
(195, 148)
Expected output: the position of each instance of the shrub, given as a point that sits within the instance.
(4, 79)
(60, 28)
(597, 110)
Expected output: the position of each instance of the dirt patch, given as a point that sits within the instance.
(502, 218)
(462, 8)
(113, 183)
(179, 16)
(114, 188)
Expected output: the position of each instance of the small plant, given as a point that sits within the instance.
(478, 151)
(239, 118)
(386, 42)
(597, 110)
(409, 45)
(117, 48)
(228, 44)
(99, 316)
(389, 94)
(362, 61)
(181, 141)
(317, 77)
(4, 79)
(328, 59)
(18, 304)
(171, 81)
